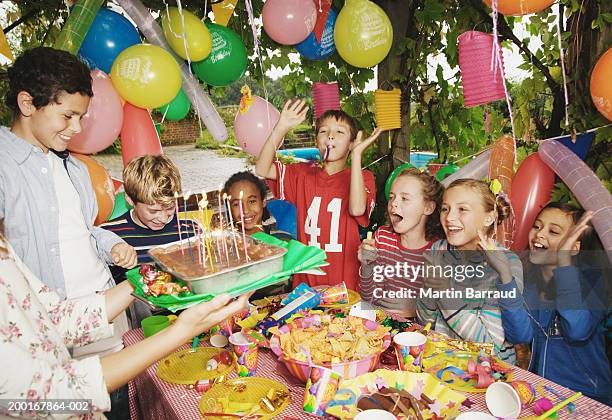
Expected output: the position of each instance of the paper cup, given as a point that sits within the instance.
(154, 324)
(334, 295)
(409, 347)
(503, 401)
(245, 354)
(321, 388)
(374, 415)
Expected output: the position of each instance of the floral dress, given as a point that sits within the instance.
(36, 330)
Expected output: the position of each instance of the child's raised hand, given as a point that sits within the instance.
(124, 255)
(367, 252)
(496, 257)
(568, 243)
(293, 113)
(361, 144)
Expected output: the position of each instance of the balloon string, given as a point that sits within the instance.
(562, 58)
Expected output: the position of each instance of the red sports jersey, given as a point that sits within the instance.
(323, 218)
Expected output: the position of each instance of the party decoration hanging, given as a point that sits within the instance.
(138, 134)
(121, 206)
(227, 61)
(501, 169)
(109, 34)
(363, 33)
(102, 123)
(388, 108)
(477, 168)
(313, 49)
(77, 24)
(223, 11)
(254, 122)
(5, 48)
(481, 83)
(197, 96)
(323, 7)
(601, 84)
(177, 109)
(520, 7)
(102, 186)
(585, 185)
(532, 186)
(579, 145)
(325, 96)
(186, 34)
(289, 22)
(146, 76)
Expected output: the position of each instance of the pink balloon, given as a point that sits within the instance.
(254, 126)
(289, 22)
(585, 185)
(102, 123)
(138, 134)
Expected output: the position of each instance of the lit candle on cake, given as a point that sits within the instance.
(244, 242)
(228, 199)
(222, 227)
(178, 221)
(207, 240)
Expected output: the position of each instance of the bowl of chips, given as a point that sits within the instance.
(350, 346)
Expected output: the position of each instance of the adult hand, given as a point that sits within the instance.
(293, 114)
(496, 257)
(361, 144)
(202, 317)
(367, 252)
(124, 255)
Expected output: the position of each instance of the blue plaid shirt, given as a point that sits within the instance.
(29, 207)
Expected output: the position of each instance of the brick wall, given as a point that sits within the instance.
(180, 132)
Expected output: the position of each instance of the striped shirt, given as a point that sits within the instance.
(404, 277)
(143, 239)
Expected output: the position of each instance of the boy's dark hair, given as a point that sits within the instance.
(45, 73)
(250, 177)
(339, 116)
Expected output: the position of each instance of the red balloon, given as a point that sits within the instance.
(532, 186)
(138, 134)
(102, 185)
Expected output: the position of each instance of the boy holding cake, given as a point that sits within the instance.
(332, 200)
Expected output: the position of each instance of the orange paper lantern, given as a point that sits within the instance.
(520, 7)
(388, 108)
(102, 185)
(601, 84)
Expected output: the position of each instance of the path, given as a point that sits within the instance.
(200, 169)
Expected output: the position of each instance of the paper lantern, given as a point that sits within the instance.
(325, 96)
(601, 86)
(388, 115)
(481, 84)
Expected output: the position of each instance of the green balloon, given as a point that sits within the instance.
(446, 171)
(177, 109)
(227, 61)
(121, 206)
(394, 175)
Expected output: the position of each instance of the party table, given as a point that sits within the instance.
(151, 398)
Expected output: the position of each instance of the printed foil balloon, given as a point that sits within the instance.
(313, 50)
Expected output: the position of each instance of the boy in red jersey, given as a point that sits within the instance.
(332, 199)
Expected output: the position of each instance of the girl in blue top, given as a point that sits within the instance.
(563, 307)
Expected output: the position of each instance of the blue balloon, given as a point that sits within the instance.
(311, 49)
(109, 34)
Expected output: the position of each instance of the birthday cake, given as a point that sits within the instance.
(221, 257)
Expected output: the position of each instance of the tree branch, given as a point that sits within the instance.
(22, 19)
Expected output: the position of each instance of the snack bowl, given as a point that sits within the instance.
(348, 369)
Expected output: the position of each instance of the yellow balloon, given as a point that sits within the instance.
(199, 42)
(147, 76)
(363, 33)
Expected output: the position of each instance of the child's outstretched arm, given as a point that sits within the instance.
(358, 195)
(293, 113)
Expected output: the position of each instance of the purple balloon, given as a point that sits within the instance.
(585, 185)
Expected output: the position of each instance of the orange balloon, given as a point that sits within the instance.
(601, 84)
(102, 185)
(501, 167)
(520, 7)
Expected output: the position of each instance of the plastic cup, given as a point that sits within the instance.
(245, 354)
(374, 414)
(503, 401)
(409, 348)
(321, 388)
(154, 324)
